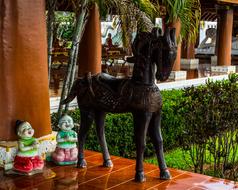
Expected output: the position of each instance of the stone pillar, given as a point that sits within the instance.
(224, 37)
(24, 92)
(188, 61)
(90, 50)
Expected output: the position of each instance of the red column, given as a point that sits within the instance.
(188, 50)
(177, 63)
(90, 50)
(24, 92)
(188, 53)
(224, 38)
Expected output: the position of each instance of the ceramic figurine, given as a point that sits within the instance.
(27, 159)
(66, 151)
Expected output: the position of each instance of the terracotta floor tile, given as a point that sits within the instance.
(149, 167)
(216, 184)
(173, 172)
(89, 174)
(152, 180)
(122, 163)
(171, 185)
(121, 176)
(111, 179)
(98, 159)
(199, 188)
(88, 153)
(47, 185)
(191, 178)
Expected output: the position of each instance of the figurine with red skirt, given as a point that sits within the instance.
(27, 160)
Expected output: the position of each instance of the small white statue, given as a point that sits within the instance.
(27, 158)
(66, 151)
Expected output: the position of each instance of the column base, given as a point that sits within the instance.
(189, 64)
(8, 149)
(178, 75)
(222, 70)
(214, 60)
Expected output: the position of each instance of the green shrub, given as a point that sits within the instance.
(209, 122)
(120, 131)
(171, 119)
(176, 158)
(119, 135)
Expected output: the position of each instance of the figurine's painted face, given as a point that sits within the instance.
(66, 123)
(25, 130)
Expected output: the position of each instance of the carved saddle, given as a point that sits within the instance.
(119, 95)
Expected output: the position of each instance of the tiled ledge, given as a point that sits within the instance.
(8, 149)
(188, 83)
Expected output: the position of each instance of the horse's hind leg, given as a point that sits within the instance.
(85, 124)
(156, 137)
(141, 123)
(100, 122)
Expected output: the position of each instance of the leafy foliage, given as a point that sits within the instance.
(64, 24)
(210, 119)
(138, 14)
(188, 12)
(176, 158)
(171, 119)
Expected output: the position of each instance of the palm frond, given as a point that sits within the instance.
(133, 14)
(143, 11)
(189, 13)
(149, 8)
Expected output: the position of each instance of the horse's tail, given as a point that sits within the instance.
(72, 94)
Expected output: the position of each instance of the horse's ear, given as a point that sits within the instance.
(156, 32)
(173, 36)
(166, 36)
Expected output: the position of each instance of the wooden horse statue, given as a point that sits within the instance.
(139, 95)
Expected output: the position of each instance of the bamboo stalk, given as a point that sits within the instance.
(78, 33)
(72, 75)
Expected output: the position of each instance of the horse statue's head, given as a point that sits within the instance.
(164, 53)
(150, 49)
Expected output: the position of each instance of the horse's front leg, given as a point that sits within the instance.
(100, 122)
(156, 137)
(141, 123)
(85, 124)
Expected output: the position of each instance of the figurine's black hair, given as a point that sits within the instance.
(18, 123)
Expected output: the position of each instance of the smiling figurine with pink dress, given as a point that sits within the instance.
(66, 151)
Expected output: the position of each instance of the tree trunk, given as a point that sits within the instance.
(78, 33)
